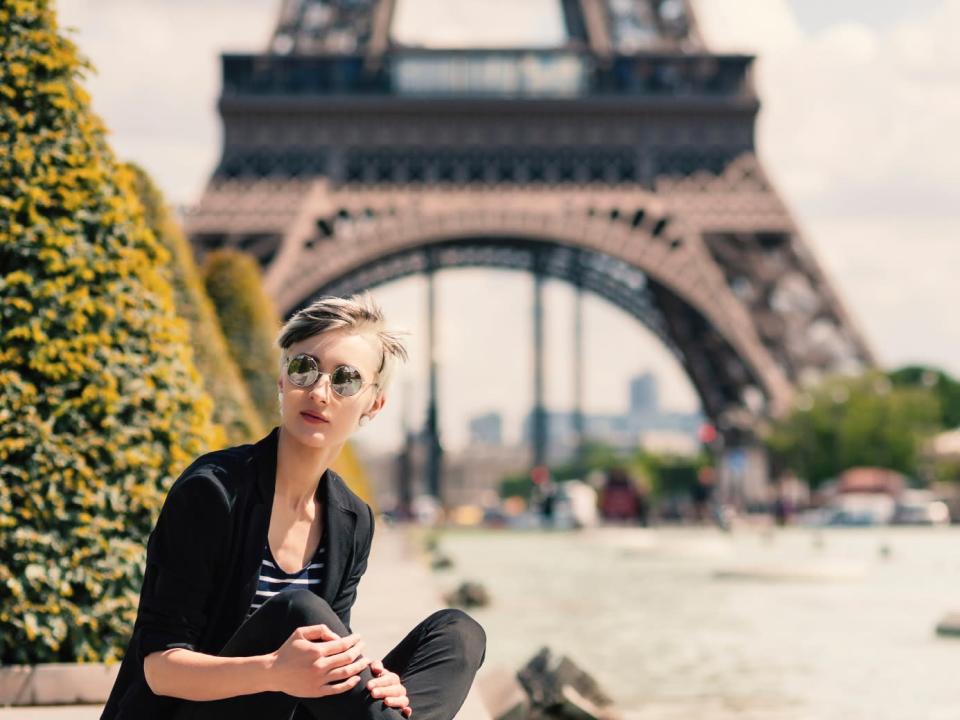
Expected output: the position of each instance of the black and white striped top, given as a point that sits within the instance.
(274, 580)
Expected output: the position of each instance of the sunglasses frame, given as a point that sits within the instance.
(363, 383)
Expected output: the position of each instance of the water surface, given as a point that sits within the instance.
(701, 625)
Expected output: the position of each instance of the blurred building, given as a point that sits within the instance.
(486, 429)
(472, 476)
(396, 477)
(644, 396)
(644, 424)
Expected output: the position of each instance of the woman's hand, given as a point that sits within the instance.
(315, 662)
(386, 685)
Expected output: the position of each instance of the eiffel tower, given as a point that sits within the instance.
(622, 160)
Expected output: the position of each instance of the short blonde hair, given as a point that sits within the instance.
(358, 313)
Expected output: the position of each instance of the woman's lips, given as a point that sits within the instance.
(313, 419)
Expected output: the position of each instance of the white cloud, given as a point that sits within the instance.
(754, 26)
(158, 77)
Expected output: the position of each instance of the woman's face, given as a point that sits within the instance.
(342, 414)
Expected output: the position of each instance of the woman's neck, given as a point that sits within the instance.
(299, 471)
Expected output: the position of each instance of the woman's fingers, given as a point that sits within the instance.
(384, 679)
(389, 687)
(318, 632)
(341, 657)
(334, 688)
(351, 669)
(387, 690)
(398, 701)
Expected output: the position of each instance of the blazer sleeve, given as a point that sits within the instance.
(183, 553)
(348, 591)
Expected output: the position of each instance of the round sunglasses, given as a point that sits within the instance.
(304, 370)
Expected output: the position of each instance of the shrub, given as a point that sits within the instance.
(100, 402)
(232, 406)
(250, 324)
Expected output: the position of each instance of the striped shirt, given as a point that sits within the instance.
(274, 580)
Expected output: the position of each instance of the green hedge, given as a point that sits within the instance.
(100, 402)
(233, 407)
(250, 324)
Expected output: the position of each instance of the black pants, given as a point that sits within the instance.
(436, 662)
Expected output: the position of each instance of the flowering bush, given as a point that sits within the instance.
(233, 408)
(100, 402)
(250, 323)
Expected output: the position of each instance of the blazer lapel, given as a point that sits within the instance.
(341, 523)
(261, 506)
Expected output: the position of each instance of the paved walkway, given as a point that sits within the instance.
(395, 594)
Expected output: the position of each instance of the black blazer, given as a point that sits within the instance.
(203, 563)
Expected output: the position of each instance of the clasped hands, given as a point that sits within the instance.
(315, 654)
(385, 684)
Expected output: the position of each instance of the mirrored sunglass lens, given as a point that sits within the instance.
(303, 370)
(346, 380)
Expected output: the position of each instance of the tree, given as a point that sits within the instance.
(944, 387)
(848, 422)
(100, 401)
(250, 324)
(232, 405)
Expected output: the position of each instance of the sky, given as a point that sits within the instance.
(857, 129)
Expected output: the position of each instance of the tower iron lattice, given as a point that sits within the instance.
(622, 160)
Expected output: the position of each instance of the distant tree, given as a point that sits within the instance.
(669, 474)
(233, 407)
(519, 485)
(596, 455)
(100, 402)
(947, 470)
(849, 422)
(943, 386)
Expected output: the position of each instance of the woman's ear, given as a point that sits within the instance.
(375, 406)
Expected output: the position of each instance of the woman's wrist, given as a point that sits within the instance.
(268, 676)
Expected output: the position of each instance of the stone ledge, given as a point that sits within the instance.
(57, 683)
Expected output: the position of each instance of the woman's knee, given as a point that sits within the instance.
(304, 607)
(465, 632)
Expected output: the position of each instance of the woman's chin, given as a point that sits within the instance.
(316, 431)
(314, 434)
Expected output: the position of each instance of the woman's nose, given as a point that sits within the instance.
(321, 388)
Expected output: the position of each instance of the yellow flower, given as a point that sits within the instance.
(18, 277)
(24, 155)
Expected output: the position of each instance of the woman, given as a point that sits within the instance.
(254, 562)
